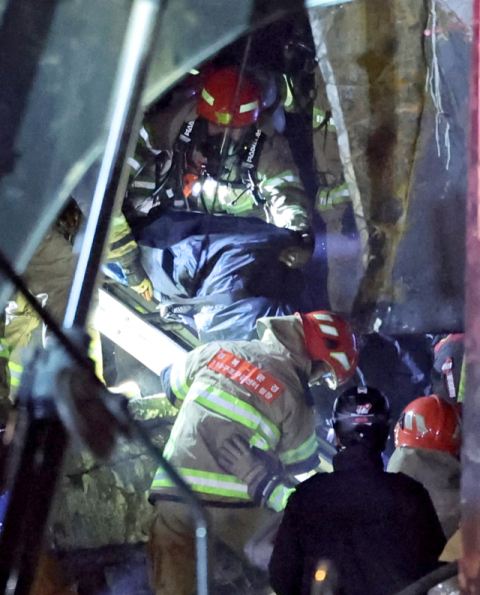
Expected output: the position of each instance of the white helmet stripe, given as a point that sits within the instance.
(419, 422)
(408, 420)
(248, 107)
(326, 317)
(342, 358)
(421, 425)
(329, 330)
(208, 98)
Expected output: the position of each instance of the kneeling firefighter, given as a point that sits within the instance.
(245, 428)
(228, 220)
(428, 438)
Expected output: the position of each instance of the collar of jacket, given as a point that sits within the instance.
(285, 334)
(437, 468)
(357, 457)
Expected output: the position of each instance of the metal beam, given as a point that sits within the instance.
(469, 576)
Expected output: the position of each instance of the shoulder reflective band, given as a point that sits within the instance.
(218, 484)
(257, 381)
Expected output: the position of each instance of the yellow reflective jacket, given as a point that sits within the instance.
(286, 202)
(213, 407)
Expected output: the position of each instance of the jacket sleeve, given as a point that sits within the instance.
(280, 184)
(432, 539)
(177, 379)
(164, 126)
(298, 447)
(297, 452)
(286, 564)
(277, 493)
(121, 246)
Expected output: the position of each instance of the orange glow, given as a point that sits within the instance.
(320, 575)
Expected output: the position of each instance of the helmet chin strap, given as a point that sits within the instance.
(322, 373)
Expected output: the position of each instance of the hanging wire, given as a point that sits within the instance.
(225, 149)
(433, 84)
(363, 382)
(126, 425)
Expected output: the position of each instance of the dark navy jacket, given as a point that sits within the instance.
(379, 529)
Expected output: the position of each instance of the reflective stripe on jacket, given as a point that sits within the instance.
(213, 407)
(286, 202)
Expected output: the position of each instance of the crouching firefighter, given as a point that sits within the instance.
(214, 156)
(428, 438)
(246, 424)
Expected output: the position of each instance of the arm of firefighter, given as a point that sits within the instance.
(288, 203)
(179, 377)
(262, 473)
(298, 448)
(123, 249)
(280, 180)
(166, 387)
(164, 126)
(428, 527)
(286, 564)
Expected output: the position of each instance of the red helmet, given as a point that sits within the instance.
(229, 100)
(329, 338)
(430, 422)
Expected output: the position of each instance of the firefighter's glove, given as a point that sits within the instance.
(251, 466)
(145, 289)
(298, 254)
(138, 280)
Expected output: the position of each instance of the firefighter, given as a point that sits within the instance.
(427, 439)
(379, 530)
(217, 155)
(222, 161)
(49, 277)
(247, 397)
(122, 249)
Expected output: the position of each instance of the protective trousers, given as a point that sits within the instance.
(171, 547)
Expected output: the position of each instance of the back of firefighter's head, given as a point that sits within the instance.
(431, 423)
(229, 99)
(361, 415)
(332, 347)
